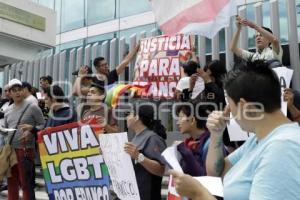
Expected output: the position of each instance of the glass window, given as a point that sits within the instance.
(283, 23)
(1, 79)
(99, 11)
(251, 32)
(100, 38)
(69, 45)
(298, 17)
(72, 14)
(47, 3)
(132, 7)
(222, 40)
(58, 15)
(266, 14)
(128, 32)
(208, 46)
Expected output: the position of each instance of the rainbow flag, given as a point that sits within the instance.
(71, 161)
(115, 91)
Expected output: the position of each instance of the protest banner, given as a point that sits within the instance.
(119, 165)
(72, 165)
(159, 62)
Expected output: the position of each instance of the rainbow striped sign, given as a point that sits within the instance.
(72, 165)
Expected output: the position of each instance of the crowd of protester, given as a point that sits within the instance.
(266, 166)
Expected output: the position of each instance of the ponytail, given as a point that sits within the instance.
(147, 116)
(159, 129)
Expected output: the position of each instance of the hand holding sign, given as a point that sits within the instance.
(188, 186)
(288, 96)
(131, 149)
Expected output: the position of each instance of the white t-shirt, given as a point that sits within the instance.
(32, 100)
(266, 54)
(269, 169)
(183, 83)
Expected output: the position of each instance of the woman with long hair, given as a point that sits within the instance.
(146, 148)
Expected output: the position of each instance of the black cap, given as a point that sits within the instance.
(26, 85)
(99, 86)
(90, 71)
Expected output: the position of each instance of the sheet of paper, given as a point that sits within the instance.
(171, 156)
(213, 184)
(119, 165)
(236, 133)
(2, 129)
(285, 76)
(39, 95)
(198, 88)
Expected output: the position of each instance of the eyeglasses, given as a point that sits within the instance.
(103, 65)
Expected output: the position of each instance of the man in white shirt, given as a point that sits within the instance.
(27, 93)
(267, 45)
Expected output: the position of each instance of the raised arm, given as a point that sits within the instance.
(272, 38)
(121, 67)
(216, 163)
(77, 89)
(234, 42)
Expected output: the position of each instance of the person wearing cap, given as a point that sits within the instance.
(60, 112)
(27, 93)
(23, 141)
(106, 77)
(267, 45)
(99, 110)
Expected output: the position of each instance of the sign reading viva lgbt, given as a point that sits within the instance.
(72, 165)
(159, 62)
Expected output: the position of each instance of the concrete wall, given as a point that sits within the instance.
(20, 42)
(46, 38)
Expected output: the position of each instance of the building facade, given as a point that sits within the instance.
(89, 28)
(81, 22)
